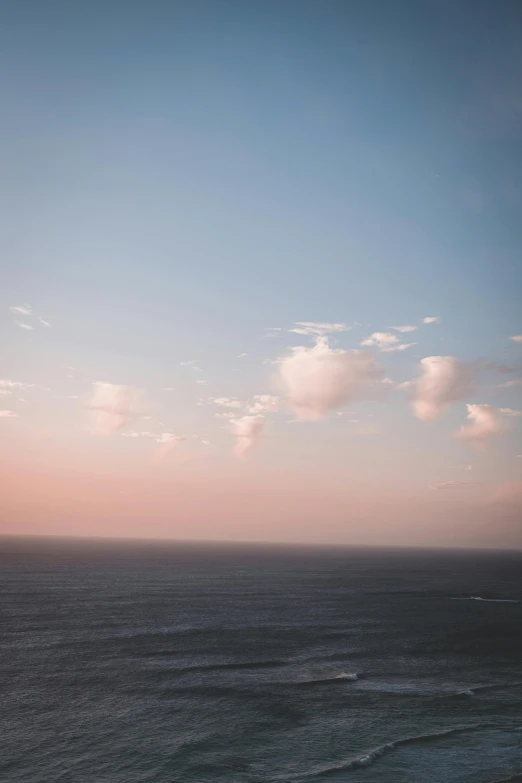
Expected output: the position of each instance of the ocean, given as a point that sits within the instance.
(142, 662)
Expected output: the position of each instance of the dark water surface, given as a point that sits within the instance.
(164, 663)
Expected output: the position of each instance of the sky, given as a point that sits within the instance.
(261, 270)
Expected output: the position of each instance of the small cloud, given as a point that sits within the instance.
(264, 403)
(113, 405)
(247, 431)
(510, 384)
(510, 412)
(205, 442)
(8, 384)
(381, 339)
(193, 364)
(22, 309)
(28, 311)
(225, 415)
(517, 338)
(431, 319)
(134, 434)
(443, 380)
(404, 329)
(168, 437)
(202, 383)
(24, 326)
(400, 347)
(8, 414)
(227, 402)
(454, 485)
(43, 321)
(242, 355)
(486, 422)
(318, 329)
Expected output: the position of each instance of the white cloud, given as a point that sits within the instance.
(28, 311)
(202, 383)
(431, 319)
(241, 355)
(510, 412)
(24, 326)
(134, 434)
(8, 384)
(318, 329)
(193, 364)
(225, 415)
(454, 485)
(443, 380)
(510, 384)
(168, 437)
(404, 329)
(517, 338)
(264, 403)
(486, 422)
(8, 414)
(319, 379)
(381, 339)
(227, 402)
(386, 342)
(113, 405)
(247, 430)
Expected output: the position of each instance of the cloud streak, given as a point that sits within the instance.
(8, 414)
(318, 329)
(454, 485)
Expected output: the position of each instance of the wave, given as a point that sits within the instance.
(329, 680)
(516, 778)
(369, 757)
(488, 600)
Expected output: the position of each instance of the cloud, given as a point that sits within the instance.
(169, 437)
(404, 329)
(8, 415)
(28, 311)
(443, 380)
(318, 329)
(241, 355)
(510, 412)
(319, 379)
(431, 319)
(202, 383)
(113, 405)
(381, 339)
(225, 415)
(134, 434)
(24, 326)
(510, 384)
(486, 422)
(264, 403)
(517, 338)
(193, 364)
(247, 430)
(386, 342)
(227, 402)
(8, 384)
(454, 485)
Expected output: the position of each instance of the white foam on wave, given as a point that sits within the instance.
(344, 676)
(487, 600)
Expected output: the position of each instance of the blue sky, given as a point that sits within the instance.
(178, 176)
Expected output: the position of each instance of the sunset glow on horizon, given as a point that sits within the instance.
(253, 290)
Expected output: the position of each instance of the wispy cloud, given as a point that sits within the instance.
(22, 325)
(247, 430)
(517, 338)
(486, 422)
(202, 383)
(404, 329)
(431, 319)
(242, 355)
(386, 342)
(454, 485)
(225, 415)
(510, 412)
(227, 402)
(193, 364)
(510, 384)
(443, 380)
(264, 403)
(318, 380)
(318, 329)
(8, 414)
(113, 405)
(28, 311)
(9, 384)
